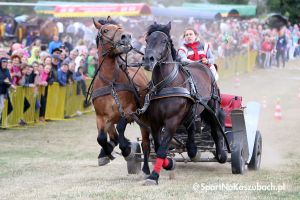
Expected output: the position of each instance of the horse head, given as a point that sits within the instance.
(111, 38)
(159, 45)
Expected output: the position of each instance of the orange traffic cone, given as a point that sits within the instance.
(278, 113)
(264, 102)
(237, 83)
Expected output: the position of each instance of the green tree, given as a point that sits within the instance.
(17, 10)
(289, 8)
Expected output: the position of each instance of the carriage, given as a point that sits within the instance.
(244, 139)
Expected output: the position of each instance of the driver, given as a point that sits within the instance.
(193, 50)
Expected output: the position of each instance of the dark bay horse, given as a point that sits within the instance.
(177, 97)
(115, 96)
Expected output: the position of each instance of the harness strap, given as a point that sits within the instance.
(172, 92)
(106, 90)
(171, 77)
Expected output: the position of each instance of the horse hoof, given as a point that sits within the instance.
(103, 161)
(149, 182)
(197, 158)
(172, 175)
(222, 157)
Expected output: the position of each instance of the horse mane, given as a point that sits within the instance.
(105, 21)
(163, 28)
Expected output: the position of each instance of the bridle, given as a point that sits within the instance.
(166, 52)
(103, 39)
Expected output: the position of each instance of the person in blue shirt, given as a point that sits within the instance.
(62, 74)
(54, 44)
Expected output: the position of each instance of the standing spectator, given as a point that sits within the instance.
(62, 74)
(80, 79)
(55, 43)
(72, 56)
(5, 83)
(281, 47)
(266, 49)
(15, 71)
(35, 55)
(54, 68)
(91, 66)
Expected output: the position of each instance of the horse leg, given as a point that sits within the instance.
(218, 138)
(113, 141)
(162, 161)
(190, 143)
(124, 142)
(107, 147)
(146, 150)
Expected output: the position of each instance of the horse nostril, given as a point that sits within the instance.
(152, 59)
(143, 58)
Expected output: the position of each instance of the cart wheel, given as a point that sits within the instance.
(133, 164)
(256, 155)
(237, 159)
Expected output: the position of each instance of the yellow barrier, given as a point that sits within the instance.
(74, 102)
(61, 102)
(229, 66)
(29, 96)
(41, 91)
(55, 102)
(17, 99)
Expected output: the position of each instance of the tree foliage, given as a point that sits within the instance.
(289, 8)
(229, 1)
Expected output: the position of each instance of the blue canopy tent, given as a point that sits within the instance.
(181, 12)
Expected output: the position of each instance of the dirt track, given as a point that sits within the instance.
(59, 160)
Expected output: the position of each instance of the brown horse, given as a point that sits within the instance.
(114, 96)
(177, 97)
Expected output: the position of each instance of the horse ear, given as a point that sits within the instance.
(109, 19)
(169, 26)
(97, 24)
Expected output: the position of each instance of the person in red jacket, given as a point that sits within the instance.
(195, 51)
(266, 49)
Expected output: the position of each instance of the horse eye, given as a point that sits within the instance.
(164, 41)
(105, 31)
